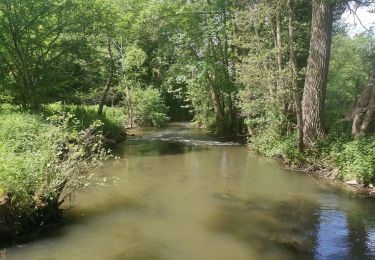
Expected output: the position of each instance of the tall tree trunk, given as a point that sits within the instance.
(317, 72)
(215, 100)
(109, 81)
(293, 62)
(365, 110)
(278, 44)
(34, 98)
(128, 98)
(129, 103)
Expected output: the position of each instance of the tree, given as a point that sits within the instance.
(365, 110)
(110, 77)
(317, 71)
(35, 36)
(293, 63)
(347, 77)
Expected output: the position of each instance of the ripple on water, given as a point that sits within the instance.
(183, 195)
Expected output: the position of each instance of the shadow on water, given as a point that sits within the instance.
(75, 217)
(298, 228)
(178, 138)
(156, 148)
(270, 226)
(361, 230)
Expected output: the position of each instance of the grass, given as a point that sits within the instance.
(355, 159)
(44, 154)
(112, 119)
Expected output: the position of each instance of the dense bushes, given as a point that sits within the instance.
(45, 154)
(42, 159)
(112, 119)
(272, 144)
(149, 108)
(354, 159)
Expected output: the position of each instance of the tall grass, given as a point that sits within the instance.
(44, 155)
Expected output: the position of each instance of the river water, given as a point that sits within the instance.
(178, 194)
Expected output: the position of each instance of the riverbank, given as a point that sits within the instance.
(333, 175)
(44, 156)
(339, 158)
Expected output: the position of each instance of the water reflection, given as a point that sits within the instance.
(332, 240)
(274, 228)
(182, 195)
(357, 236)
(370, 243)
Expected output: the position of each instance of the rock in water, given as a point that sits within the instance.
(352, 182)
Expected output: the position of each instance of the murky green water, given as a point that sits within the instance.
(181, 195)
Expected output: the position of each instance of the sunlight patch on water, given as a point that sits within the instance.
(190, 137)
(189, 141)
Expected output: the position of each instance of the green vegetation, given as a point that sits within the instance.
(112, 119)
(353, 158)
(148, 108)
(42, 160)
(262, 69)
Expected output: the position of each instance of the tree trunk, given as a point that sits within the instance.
(293, 62)
(129, 104)
(365, 110)
(34, 100)
(128, 98)
(278, 45)
(109, 81)
(215, 99)
(317, 72)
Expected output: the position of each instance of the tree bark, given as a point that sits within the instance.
(215, 100)
(317, 71)
(129, 104)
(364, 112)
(278, 45)
(128, 98)
(109, 81)
(293, 62)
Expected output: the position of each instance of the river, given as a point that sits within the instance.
(177, 193)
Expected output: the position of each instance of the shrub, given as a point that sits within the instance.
(356, 159)
(113, 117)
(149, 108)
(272, 144)
(39, 161)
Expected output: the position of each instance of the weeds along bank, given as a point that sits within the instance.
(44, 156)
(338, 156)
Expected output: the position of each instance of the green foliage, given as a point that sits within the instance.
(349, 68)
(355, 159)
(42, 43)
(271, 143)
(42, 158)
(217, 62)
(112, 120)
(134, 59)
(148, 107)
